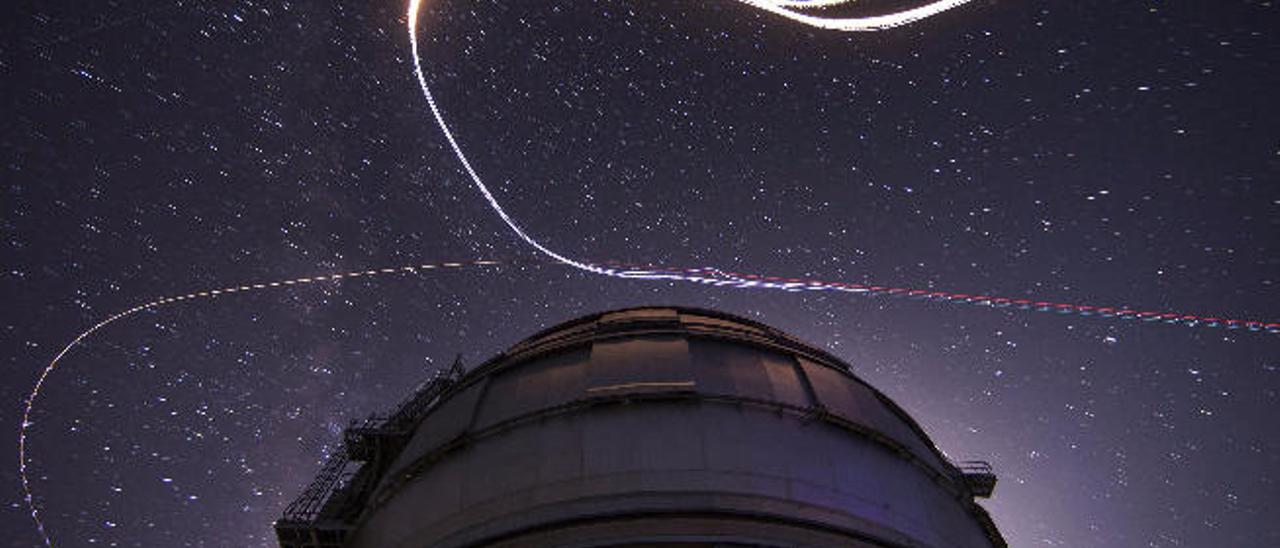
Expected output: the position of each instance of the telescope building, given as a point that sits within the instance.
(659, 426)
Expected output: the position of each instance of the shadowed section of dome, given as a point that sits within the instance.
(661, 425)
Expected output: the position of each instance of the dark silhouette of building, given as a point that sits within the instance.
(649, 426)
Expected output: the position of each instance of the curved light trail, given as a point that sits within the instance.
(785, 8)
(716, 277)
(25, 429)
(810, 4)
(790, 9)
(721, 278)
(705, 275)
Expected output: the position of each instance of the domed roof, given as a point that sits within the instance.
(655, 352)
(650, 350)
(647, 423)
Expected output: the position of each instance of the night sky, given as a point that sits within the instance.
(1096, 152)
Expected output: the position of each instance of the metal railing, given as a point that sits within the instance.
(324, 512)
(979, 476)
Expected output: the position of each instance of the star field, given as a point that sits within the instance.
(1119, 154)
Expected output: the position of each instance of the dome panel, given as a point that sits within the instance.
(727, 368)
(639, 364)
(553, 380)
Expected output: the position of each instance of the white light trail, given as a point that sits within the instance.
(25, 429)
(810, 4)
(718, 278)
(785, 8)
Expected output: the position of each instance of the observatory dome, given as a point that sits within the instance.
(647, 426)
